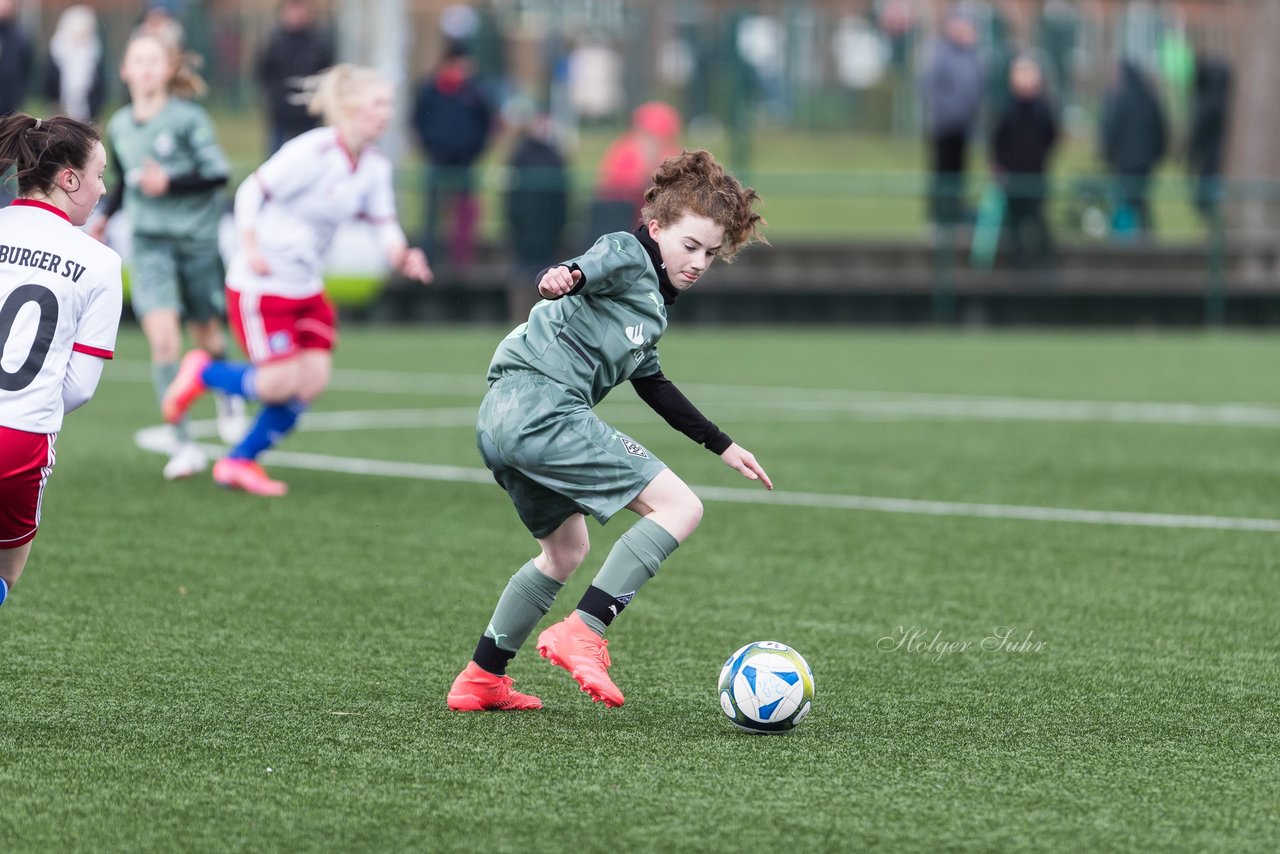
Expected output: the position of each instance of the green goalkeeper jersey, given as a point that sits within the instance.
(181, 139)
(604, 333)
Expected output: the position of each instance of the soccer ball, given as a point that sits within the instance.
(766, 687)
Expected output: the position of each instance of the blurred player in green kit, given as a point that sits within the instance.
(172, 173)
(597, 326)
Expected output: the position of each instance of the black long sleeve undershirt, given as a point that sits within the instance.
(664, 398)
(115, 197)
(192, 182)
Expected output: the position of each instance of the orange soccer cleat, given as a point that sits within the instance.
(478, 690)
(573, 646)
(246, 475)
(186, 386)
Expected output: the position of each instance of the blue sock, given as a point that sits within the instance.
(4, 590)
(231, 377)
(273, 424)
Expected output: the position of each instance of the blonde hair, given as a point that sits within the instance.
(185, 82)
(333, 93)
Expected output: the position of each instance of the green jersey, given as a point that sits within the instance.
(601, 335)
(181, 139)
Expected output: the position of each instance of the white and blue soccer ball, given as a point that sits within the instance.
(766, 687)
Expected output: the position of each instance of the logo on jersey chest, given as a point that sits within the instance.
(165, 144)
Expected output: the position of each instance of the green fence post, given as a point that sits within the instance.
(944, 286)
(1215, 286)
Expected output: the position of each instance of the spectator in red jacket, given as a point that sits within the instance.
(628, 165)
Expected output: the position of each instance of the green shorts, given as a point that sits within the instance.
(554, 456)
(178, 273)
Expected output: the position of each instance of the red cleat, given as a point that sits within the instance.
(478, 690)
(186, 386)
(572, 645)
(246, 475)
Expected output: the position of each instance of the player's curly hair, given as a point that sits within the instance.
(41, 148)
(693, 182)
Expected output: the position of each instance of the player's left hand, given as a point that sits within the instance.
(737, 457)
(153, 181)
(415, 266)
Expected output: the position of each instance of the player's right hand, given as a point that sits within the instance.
(257, 263)
(559, 281)
(98, 229)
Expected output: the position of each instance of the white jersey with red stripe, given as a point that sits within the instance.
(295, 202)
(59, 293)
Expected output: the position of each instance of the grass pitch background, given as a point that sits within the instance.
(170, 643)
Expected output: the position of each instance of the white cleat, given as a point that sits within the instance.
(233, 423)
(185, 461)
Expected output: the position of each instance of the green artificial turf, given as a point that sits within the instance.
(187, 669)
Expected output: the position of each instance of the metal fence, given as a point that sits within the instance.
(811, 66)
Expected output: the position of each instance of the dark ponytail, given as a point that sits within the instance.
(41, 148)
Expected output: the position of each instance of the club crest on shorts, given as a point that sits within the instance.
(633, 448)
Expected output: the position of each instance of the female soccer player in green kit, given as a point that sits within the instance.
(598, 325)
(171, 176)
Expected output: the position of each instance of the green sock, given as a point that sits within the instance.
(632, 561)
(162, 374)
(527, 598)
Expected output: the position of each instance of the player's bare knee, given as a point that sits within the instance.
(275, 393)
(208, 336)
(277, 383)
(693, 509)
(165, 348)
(685, 514)
(164, 335)
(561, 563)
(311, 388)
(570, 557)
(165, 355)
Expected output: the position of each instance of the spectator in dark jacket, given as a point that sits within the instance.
(15, 64)
(452, 119)
(1025, 136)
(299, 48)
(1134, 139)
(1209, 123)
(536, 201)
(537, 197)
(15, 59)
(952, 89)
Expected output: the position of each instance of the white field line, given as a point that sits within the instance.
(158, 439)
(815, 404)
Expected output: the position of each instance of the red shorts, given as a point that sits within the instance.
(271, 327)
(25, 462)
